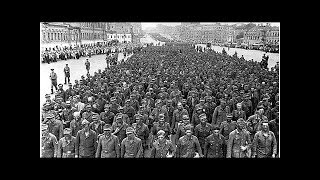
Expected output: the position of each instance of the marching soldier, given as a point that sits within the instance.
(181, 128)
(227, 127)
(215, 145)
(66, 145)
(119, 128)
(108, 144)
(160, 125)
(86, 142)
(188, 145)
(142, 131)
(162, 148)
(97, 125)
(202, 130)
(55, 126)
(75, 124)
(239, 142)
(48, 143)
(66, 74)
(264, 143)
(107, 116)
(53, 78)
(87, 64)
(220, 113)
(131, 146)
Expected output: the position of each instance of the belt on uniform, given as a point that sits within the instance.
(68, 152)
(131, 154)
(107, 152)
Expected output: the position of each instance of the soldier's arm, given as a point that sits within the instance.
(196, 131)
(153, 152)
(139, 153)
(274, 143)
(198, 146)
(98, 148)
(122, 148)
(60, 131)
(214, 116)
(254, 145)
(77, 143)
(248, 140)
(59, 149)
(173, 122)
(205, 149)
(221, 127)
(178, 149)
(229, 145)
(146, 133)
(55, 145)
(117, 147)
(172, 148)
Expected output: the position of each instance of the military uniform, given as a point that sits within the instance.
(142, 132)
(237, 139)
(219, 115)
(56, 128)
(67, 74)
(214, 146)
(131, 148)
(226, 128)
(202, 132)
(53, 78)
(186, 147)
(48, 146)
(66, 148)
(86, 145)
(108, 147)
(160, 150)
(264, 146)
(177, 117)
(107, 117)
(158, 126)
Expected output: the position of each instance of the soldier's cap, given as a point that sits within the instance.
(88, 106)
(222, 100)
(148, 93)
(76, 114)
(113, 99)
(229, 116)
(95, 117)
(137, 116)
(199, 108)
(129, 130)
(185, 117)
(127, 101)
(264, 121)
(50, 116)
(44, 127)
(60, 85)
(260, 107)
(240, 120)
(265, 99)
(119, 116)
(160, 133)
(67, 131)
(107, 127)
(70, 84)
(47, 96)
(188, 127)
(120, 108)
(52, 69)
(239, 104)
(84, 122)
(203, 116)
(68, 102)
(215, 127)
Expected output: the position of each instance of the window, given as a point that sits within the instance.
(48, 36)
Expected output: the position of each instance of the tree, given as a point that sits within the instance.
(240, 35)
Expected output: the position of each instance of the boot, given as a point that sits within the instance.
(52, 91)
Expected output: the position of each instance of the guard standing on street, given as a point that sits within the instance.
(66, 145)
(67, 74)
(87, 64)
(53, 78)
(48, 143)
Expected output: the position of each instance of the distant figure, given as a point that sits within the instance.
(87, 64)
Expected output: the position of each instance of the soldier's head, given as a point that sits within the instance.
(188, 129)
(239, 105)
(52, 70)
(85, 124)
(199, 109)
(47, 96)
(67, 133)
(60, 86)
(120, 109)
(222, 103)
(138, 118)
(203, 118)
(119, 120)
(107, 129)
(88, 108)
(44, 129)
(260, 110)
(264, 125)
(185, 119)
(240, 123)
(95, 117)
(50, 117)
(66, 65)
(130, 132)
(106, 107)
(229, 117)
(216, 130)
(127, 102)
(180, 106)
(161, 135)
(161, 118)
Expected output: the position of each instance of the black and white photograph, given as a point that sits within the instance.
(159, 90)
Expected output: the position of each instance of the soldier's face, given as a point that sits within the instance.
(138, 120)
(264, 126)
(216, 132)
(107, 132)
(130, 135)
(161, 137)
(188, 133)
(203, 120)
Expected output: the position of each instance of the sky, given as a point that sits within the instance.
(149, 25)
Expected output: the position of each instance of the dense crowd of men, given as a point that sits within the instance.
(167, 101)
(57, 53)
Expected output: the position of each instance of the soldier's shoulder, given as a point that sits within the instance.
(52, 136)
(137, 139)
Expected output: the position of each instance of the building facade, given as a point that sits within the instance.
(272, 36)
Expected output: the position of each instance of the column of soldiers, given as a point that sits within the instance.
(163, 102)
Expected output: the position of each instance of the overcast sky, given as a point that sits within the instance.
(148, 25)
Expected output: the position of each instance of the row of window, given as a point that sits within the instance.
(97, 25)
(56, 36)
(253, 37)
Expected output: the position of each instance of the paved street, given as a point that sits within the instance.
(77, 69)
(249, 54)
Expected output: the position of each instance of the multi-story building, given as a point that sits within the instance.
(254, 35)
(124, 32)
(272, 36)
